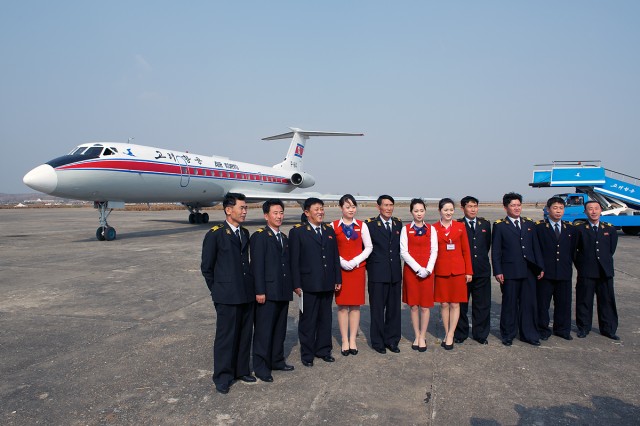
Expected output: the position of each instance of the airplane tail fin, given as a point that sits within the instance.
(299, 137)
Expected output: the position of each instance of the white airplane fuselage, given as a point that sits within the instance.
(136, 174)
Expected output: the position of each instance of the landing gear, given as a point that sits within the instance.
(196, 217)
(104, 232)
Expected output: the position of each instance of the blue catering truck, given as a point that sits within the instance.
(617, 193)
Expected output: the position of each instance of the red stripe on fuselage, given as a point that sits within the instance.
(175, 169)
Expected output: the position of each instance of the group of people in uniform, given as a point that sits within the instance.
(252, 278)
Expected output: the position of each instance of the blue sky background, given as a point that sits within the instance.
(454, 98)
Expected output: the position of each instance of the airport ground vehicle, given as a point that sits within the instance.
(617, 193)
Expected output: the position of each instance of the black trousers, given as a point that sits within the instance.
(232, 344)
(560, 290)
(314, 326)
(607, 312)
(479, 292)
(270, 329)
(384, 303)
(519, 309)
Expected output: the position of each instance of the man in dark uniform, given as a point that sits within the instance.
(557, 241)
(225, 266)
(315, 269)
(479, 289)
(385, 277)
(595, 246)
(517, 261)
(274, 290)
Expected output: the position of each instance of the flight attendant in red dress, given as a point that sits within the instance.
(419, 249)
(354, 246)
(453, 269)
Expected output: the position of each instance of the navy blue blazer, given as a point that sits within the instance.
(383, 264)
(479, 244)
(595, 250)
(225, 266)
(315, 263)
(557, 254)
(270, 265)
(514, 251)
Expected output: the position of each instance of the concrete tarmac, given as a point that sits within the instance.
(121, 332)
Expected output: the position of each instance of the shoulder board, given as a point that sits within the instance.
(480, 218)
(499, 221)
(371, 219)
(298, 225)
(260, 230)
(460, 220)
(541, 221)
(216, 227)
(607, 224)
(395, 219)
(566, 222)
(527, 218)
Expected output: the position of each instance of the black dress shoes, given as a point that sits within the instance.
(458, 340)
(345, 352)
(307, 363)
(286, 367)
(248, 378)
(582, 334)
(534, 343)
(380, 350)
(564, 336)
(611, 336)
(327, 358)
(422, 348)
(394, 349)
(415, 347)
(482, 341)
(544, 337)
(353, 351)
(507, 342)
(268, 378)
(223, 388)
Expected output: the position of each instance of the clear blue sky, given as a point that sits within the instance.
(454, 98)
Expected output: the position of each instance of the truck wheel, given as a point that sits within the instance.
(631, 230)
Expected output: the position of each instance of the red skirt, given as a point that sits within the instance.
(352, 290)
(417, 291)
(451, 289)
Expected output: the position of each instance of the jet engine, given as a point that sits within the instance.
(302, 180)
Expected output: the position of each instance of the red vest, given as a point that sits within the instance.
(348, 249)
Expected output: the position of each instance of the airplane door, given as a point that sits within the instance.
(184, 171)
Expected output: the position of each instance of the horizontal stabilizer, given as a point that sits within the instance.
(301, 132)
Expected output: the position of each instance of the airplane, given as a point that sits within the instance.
(114, 173)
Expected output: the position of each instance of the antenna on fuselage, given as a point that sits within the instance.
(299, 137)
(129, 140)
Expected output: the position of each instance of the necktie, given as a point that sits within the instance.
(517, 224)
(318, 232)
(557, 230)
(238, 235)
(595, 228)
(388, 227)
(279, 238)
(473, 225)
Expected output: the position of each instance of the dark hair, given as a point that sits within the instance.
(415, 201)
(311, 201)
(345, 198)
(591, 202)
(444, 201)
(385, 197)
(468, 199)
(555, 200)
(231, 198)
(509, 197)
(266, 206)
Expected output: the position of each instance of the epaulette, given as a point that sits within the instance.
(540, 221)
(260, 230)
(216, 227)
(499, 221)
(298, 225)
(527, 218)
(607, 224)
(395, 218)
(460, 220)
(480, 218)
(372, 219)
(566, 222)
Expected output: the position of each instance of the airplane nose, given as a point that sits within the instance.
(43, 178)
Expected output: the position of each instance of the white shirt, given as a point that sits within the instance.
(404, 249)
(233, 228)
(366, 240)
(513, 221)
(553, 225)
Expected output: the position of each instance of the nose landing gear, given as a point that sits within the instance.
(106, 232)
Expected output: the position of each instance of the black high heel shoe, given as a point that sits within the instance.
(345, 352)
(353, 351)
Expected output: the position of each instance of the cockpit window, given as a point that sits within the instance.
(108, 151)
(94, 151)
